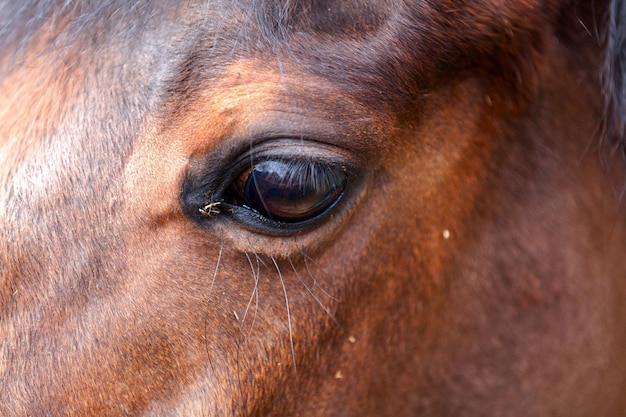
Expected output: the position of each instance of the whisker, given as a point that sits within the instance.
(315, 283)
(262, 262)
(255, 294)
(257, 277)
(293, 350)
(311, 292)
(208, 302)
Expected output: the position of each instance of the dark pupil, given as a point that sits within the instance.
(291, 191)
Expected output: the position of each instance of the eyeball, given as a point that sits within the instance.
(288, 191)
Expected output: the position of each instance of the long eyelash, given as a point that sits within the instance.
(306, 173)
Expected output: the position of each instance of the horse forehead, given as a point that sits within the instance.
(212, 32)
(219, 27)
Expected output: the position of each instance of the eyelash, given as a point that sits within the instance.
(284, 190)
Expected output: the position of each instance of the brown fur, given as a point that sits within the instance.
(474, 266)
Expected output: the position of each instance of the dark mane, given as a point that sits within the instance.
(614, 79)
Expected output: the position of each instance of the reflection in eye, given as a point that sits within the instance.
(288, 191)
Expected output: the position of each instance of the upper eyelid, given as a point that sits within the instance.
(297, 167)
(294, 151)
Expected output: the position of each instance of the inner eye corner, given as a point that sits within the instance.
(211, 209)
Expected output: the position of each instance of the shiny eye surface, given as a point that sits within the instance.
(288, 191)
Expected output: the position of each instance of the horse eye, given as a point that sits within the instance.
(288, 191)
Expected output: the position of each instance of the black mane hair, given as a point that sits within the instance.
(614, 78)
